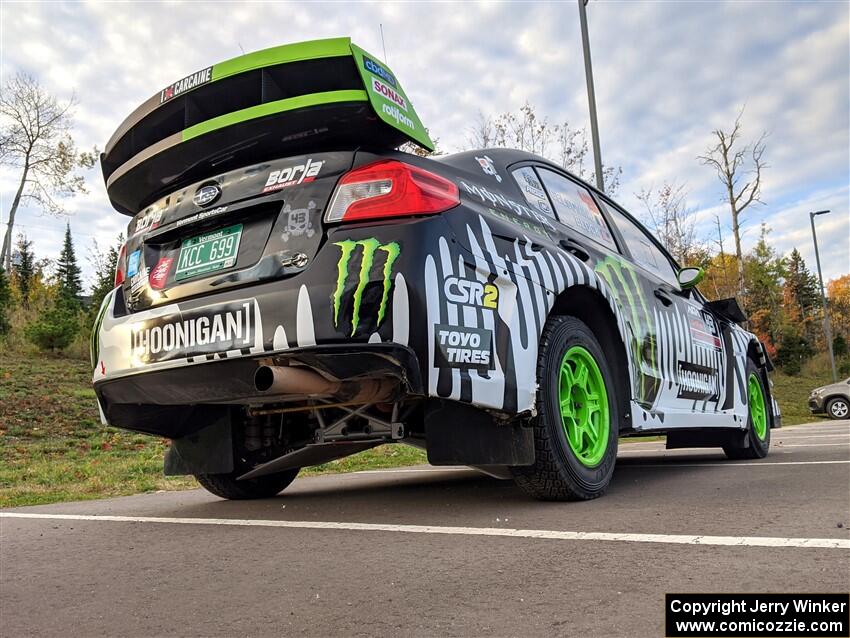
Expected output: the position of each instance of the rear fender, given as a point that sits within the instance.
(531, 274)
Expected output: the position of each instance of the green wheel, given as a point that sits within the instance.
(583, 398)
(757, 408)
(576, 427)
(755, 442)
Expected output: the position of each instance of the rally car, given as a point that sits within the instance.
(294, 290)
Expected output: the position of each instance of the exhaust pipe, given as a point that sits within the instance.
(283, 380)
(289, 380)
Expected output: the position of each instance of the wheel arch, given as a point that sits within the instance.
(757, 353)
(594, 309)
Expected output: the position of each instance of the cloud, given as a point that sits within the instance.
(666, 74)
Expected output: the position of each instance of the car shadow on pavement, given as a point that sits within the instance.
(432, 495)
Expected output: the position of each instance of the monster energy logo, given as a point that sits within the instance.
(369, 248)
(626, 288)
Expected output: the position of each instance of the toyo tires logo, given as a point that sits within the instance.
(356, 291)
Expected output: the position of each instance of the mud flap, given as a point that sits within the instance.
(458, 434)
(207, 451)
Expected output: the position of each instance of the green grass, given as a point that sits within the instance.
(792, 393)
(53, 447)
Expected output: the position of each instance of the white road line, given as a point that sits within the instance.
(778, 445)
(816, 436)
(729, 464)
(781, 445)
(417, 470)
(676, 539)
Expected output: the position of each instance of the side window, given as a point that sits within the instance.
(532, 189)
(576, 208)
(644, 251)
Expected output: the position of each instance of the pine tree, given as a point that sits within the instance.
(104, 264)
(68, 271)
(24, 268)
(801, 297)
(764, 272)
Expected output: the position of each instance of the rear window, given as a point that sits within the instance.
(531, 187)
(576, 208)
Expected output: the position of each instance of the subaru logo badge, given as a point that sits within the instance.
(207, 194)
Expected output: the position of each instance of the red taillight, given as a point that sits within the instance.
(119, 265)
(390, 188)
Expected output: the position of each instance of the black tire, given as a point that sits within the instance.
(838, 408)
(226, 485)
(557, 474)
(750, 445)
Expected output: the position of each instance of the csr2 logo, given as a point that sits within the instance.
(471, 293)
(352, 293)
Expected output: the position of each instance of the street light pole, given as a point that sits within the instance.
(591, 95)
(826, 325)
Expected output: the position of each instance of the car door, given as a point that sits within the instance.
(588, 235)
(685, 352)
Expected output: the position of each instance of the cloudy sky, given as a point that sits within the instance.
(666, 73)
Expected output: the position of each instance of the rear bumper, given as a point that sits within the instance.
(176, 402)
(364, 286)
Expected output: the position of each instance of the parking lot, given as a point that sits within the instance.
(437, 551)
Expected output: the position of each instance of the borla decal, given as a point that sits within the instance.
(463, 347)
(149, 220)
(357, 294)
(203, 331)
(293, 175)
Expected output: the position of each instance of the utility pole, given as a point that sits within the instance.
(826, 326)
(591, 95)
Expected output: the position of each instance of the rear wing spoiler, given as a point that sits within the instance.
(289, 99)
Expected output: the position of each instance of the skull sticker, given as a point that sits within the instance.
(488, 167)
(299, 221)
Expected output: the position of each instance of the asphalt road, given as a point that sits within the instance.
(427, 551)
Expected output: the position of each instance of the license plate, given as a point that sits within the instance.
(208, 252)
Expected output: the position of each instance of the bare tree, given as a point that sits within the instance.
(421, 151)
(34, 137)
(668, 214)
(526, 131)
(736, 162)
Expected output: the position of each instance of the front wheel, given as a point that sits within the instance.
(757, 440)
(576, 428)
(227, 486)
(838, 408)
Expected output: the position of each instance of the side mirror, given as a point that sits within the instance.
(690, 277)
